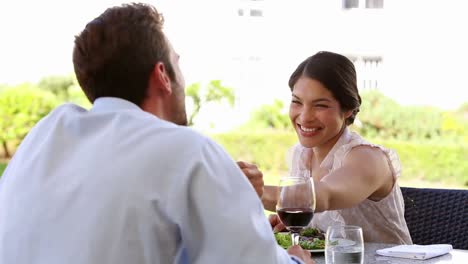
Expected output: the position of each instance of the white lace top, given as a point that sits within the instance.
(382, 221)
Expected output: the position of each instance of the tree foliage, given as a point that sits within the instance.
(66, 88)
(270, 116)
(428, 161)
(21, 107)
(463, 109)
(60, 85)
(213, 92)
(382, 117)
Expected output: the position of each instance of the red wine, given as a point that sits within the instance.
(295, 218)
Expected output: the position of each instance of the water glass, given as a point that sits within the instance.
(344, 244)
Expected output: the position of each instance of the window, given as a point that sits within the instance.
(256, 12)
(250, 8)
(371, 70)
(374, 3)
(347, 4)
(368, 69)
(370, 4)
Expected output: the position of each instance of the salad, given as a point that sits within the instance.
(310, 238)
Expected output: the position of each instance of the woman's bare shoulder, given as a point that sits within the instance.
(370, 159)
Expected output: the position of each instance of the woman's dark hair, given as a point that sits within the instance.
(337, 74)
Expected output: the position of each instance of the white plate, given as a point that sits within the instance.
(316, 250)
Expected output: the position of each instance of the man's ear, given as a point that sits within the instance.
(159, 80)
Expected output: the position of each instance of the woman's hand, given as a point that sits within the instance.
(254, 175)
(276, 223)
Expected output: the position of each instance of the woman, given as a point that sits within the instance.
(355, 181)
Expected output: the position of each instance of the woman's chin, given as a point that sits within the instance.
(307, 143)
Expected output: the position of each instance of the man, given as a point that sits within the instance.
(123, 182)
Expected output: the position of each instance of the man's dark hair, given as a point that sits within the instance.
(116, 52)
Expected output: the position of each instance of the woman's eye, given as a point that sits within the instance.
(321, 106)
(295, 102)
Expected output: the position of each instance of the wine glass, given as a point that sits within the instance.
(296, 202)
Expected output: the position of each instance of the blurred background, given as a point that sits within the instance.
(237, 56)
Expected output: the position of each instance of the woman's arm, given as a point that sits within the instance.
(365, 173)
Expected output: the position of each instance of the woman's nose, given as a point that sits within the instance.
(307, 115)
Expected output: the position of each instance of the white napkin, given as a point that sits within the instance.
(416, 251)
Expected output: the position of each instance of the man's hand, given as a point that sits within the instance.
(254, 175)
(303, 254)
(276, 223)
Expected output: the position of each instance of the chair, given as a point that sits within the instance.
(437, 216)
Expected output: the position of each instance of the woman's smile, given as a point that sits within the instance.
(307, 131)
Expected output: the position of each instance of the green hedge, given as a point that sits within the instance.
(432, 161)
(427, 161)
(266, 149)
(21, 107)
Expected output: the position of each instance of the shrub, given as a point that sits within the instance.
(273, 116)
(2, 168)
(266, 149)
(383, 117)
(429, 161)
(20, 108)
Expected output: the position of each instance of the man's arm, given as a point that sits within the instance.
(226, 216)
(267, 193)
(270, 197)
(254, 175)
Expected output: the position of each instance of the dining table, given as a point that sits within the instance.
(456, 256)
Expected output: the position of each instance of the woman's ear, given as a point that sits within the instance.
(348, 113)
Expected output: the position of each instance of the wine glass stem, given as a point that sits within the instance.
(294, 238)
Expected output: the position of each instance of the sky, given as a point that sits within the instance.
(37, 40)
(37, 36)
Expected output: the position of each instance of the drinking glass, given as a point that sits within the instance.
(296, 202)
(344, 244)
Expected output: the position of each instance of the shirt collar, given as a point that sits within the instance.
(106, 104)
(327, 163)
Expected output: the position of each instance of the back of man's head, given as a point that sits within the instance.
(116, 52)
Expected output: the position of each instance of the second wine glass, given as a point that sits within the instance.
(296, 202)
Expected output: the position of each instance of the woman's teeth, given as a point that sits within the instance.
(306, 129)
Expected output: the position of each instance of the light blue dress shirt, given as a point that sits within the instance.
(118, 185)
